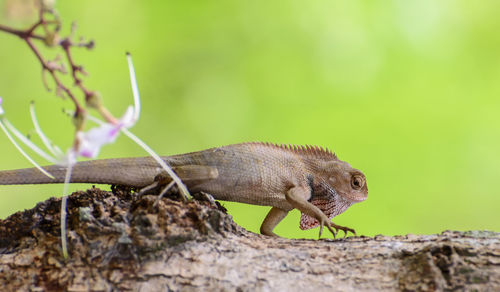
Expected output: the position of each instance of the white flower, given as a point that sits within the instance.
(1, 109)
(90, 142)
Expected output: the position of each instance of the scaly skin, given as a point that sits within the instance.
(308, 178)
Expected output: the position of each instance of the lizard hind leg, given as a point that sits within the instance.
(187, 173)
(164, 191)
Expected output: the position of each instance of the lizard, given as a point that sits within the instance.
(311, 179)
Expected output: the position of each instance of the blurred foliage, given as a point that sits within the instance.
(406, 91)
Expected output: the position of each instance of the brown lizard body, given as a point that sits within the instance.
(307, 178)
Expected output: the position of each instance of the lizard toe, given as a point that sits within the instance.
(329, 226)
(320, 230)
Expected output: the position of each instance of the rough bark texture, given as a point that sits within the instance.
(122, 242)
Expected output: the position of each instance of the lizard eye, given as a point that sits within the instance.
(357, 182)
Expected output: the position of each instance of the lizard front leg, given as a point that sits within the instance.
(297, 197)
(272, 219)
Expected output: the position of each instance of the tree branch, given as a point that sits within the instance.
(120, 241)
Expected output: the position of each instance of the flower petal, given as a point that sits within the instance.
(128, 119)
(90, 142)
(1, 109)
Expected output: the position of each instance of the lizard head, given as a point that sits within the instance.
(348, 182)
(334, 189)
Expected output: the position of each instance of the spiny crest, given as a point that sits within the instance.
(313, 150)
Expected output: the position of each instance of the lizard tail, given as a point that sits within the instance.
(31, 176)
(137, 172)
(122, 171)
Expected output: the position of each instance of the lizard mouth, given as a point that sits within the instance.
(354, 198)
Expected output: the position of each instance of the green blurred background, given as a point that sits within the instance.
(406, 91)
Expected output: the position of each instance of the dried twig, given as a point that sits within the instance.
(46, 29)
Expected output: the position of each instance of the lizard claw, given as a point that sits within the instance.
(328, 225)
(345, 229)
(165, 189)
(148, 188)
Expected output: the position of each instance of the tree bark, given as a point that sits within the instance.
(119, 241)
